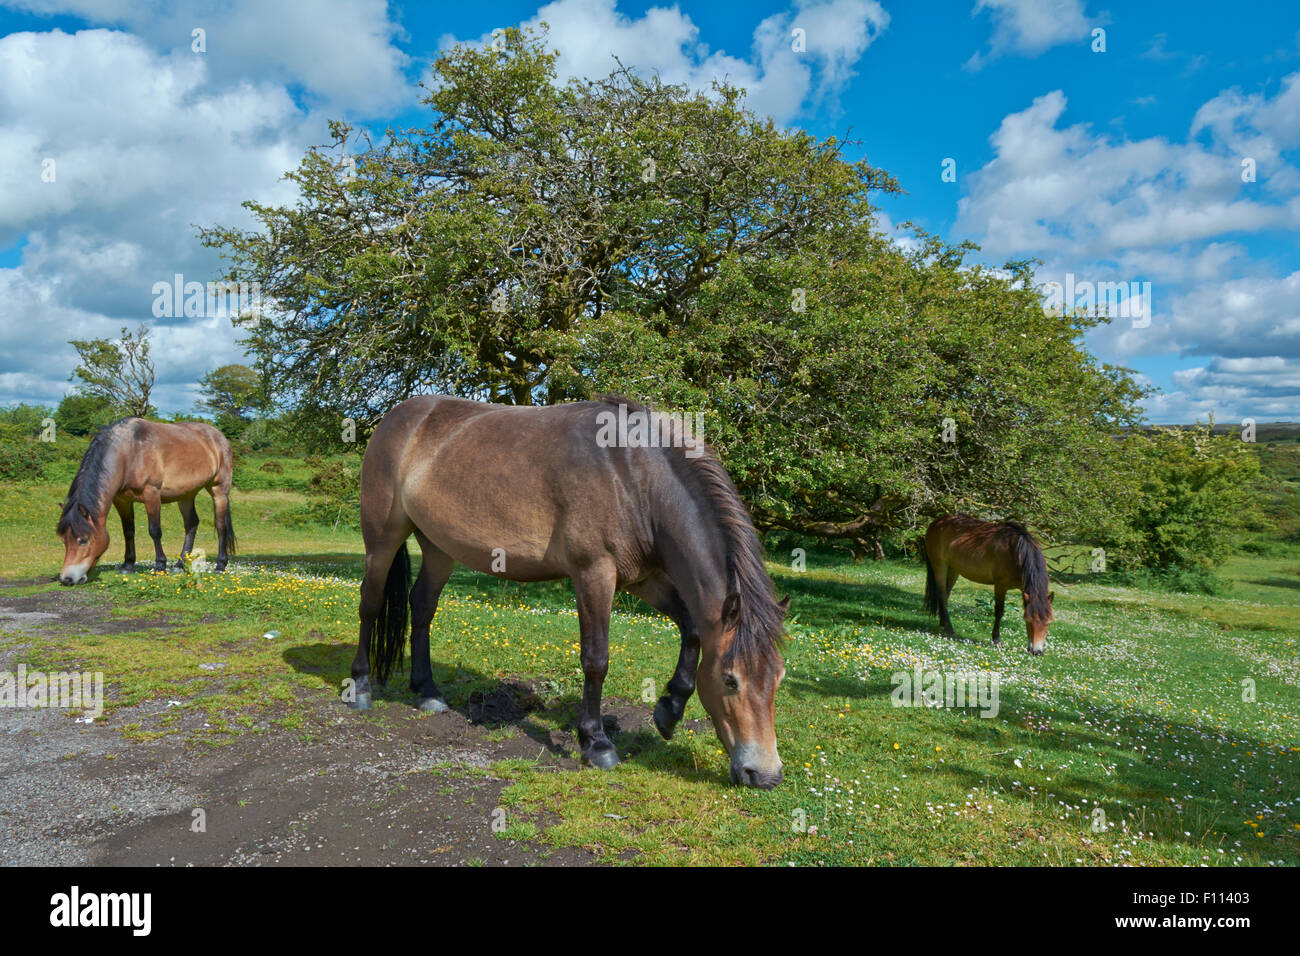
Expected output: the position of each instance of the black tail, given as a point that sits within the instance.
(227, 532)
(932, 602)
(386, 640)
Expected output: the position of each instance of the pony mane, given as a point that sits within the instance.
(1033, 570)
(760, 627)
(87, 486)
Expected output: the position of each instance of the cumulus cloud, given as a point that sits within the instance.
(779, 80)
(338, 53)
(1030, 27)
(144, 146)
(1172, 213)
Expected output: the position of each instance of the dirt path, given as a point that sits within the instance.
(343, 788)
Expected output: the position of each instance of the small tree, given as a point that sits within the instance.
(1196, 490)
(121, 372)
(80, 414)
(233, 394)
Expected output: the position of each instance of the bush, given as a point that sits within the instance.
(80, 414)
(1195, 496)
(1196, 579)
(333, 494)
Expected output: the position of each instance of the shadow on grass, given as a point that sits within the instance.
(522, 702)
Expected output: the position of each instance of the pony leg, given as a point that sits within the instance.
(190, 515)
(153, 509)
(126, 511)
(595, 592)
(383, 610)
(221, 521)
(435, 569)
(661, 595)
(999, 604)
(948, 577)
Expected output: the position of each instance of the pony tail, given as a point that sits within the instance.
(386, 641)
(227, 531)
(932, 602)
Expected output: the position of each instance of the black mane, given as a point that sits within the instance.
(87, 488)
(1033, 570)
(760, 628)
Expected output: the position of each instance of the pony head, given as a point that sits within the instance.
(737, 681)
(85, 539)
(1038, 614)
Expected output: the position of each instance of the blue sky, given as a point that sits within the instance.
(1122, 165)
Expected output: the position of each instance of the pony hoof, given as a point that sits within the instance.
(605, 758)
(664, 718)
(432, 705)
(360, 702)
(127, 568)
(221, 566)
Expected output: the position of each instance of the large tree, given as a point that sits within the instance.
(460, 256)
(538, 242)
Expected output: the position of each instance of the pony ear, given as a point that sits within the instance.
(84, 513)
(1050, 596)
(731, 610)
(1024, 596)
(784, 605)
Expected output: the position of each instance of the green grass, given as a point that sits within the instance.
(1136, 711)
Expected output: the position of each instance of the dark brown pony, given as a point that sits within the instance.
(1003, 554)
(534, 494)
(152, 462)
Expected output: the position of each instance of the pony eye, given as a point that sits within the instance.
(730, 681)
(82, 540)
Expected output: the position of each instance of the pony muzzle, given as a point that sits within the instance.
(748, 770)
(73, 575)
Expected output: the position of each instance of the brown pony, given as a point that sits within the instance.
(136, 460)
(1003, 554)
(535, 494)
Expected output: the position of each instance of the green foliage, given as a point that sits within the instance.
(524, 209)
(25, 457)
(333, 493)
(1196, 492)
(79, 414)
(120, 372)
(831, 419)
(232, 394)
(1280, 489)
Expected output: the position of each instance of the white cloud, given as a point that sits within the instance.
(1175, 214)
(145, 146)
(339, 53)
(1030, 27)
(779, 82)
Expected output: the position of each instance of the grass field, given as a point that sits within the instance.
(1128, 743)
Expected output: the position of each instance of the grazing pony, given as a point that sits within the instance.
(1003, 554)
(152, 462)
(540, 493)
